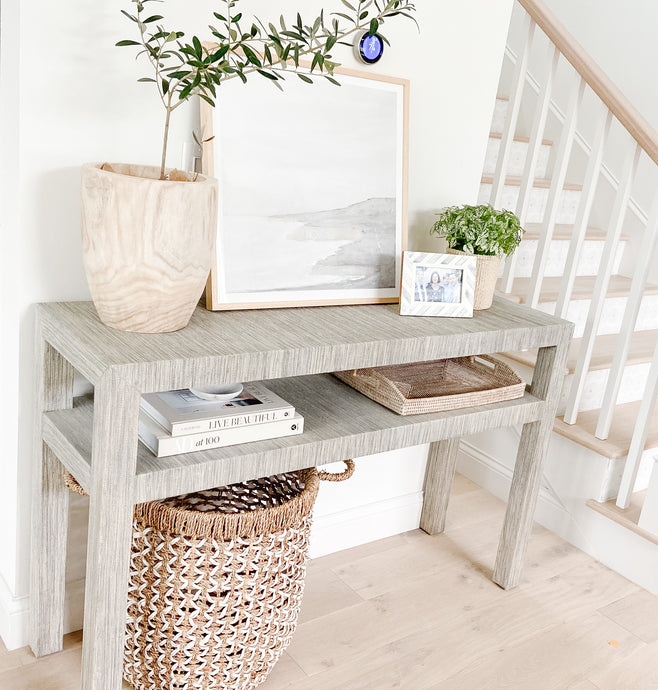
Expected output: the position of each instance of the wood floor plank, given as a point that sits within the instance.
(468, 509)
(328, 593)
(583, 684)
(576, 593)
(380, 574)
(346, 635)
(550, 660)
(423, 658)
(285, 673)
(637, 672)
(638, 612)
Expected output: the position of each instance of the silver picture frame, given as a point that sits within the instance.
(437, 284)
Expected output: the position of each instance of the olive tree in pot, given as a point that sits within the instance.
(148, 232)
(485, 232)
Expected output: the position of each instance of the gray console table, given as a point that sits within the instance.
(293, 349)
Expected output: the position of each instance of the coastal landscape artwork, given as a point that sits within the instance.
(312, 192)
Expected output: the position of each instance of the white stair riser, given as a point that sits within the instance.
(567, 207)
(649, 515)
(499, 115)
(516, 161)
(632, 386)
(613, 312)
(557, 258)
(595, 382)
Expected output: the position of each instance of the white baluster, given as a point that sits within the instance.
(562, 157)
(602, 282)
(639, 435)
(583, 213)
(640, 274)
(534, 147)
(512, 113)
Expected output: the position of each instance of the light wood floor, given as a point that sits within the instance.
(416, 612)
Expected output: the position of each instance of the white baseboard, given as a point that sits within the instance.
(496, 477)
(491, 474)
(15, 613)
(13, 617)
(366, 523)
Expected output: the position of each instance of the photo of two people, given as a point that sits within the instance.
(438, 285)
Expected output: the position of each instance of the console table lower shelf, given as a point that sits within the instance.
(340, 423)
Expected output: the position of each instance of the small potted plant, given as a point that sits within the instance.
(148, 232)
(485, 232)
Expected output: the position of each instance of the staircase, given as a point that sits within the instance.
(587, 251)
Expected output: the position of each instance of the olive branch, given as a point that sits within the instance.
(243, 48)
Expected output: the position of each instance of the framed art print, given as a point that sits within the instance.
(312, 183)
(437, 284)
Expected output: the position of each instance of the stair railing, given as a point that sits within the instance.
(643, 138)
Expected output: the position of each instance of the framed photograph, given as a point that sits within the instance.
(437, 284)
(313, 191)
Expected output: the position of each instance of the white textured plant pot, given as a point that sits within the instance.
(147, 244)
(486, 276)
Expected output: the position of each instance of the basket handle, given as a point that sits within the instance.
(339, 477)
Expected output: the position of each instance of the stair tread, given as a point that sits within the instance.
(520, 138)
(538, 182)
(628, 517)
(640, 351)
(621, 432)
(620, 286)
(564, 231)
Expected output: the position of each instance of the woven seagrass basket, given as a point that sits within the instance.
(216, 582)
(437, 385)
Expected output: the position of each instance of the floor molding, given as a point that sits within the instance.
(13, 617)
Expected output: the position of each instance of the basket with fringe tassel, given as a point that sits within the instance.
(216, 582)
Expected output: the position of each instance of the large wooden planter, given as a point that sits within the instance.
(147, 244)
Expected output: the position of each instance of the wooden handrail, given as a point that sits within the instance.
(638, 127)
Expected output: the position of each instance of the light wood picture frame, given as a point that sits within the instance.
(313, 191)
(437, 284)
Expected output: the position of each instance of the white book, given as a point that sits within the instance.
(161, 443)
(181, 412)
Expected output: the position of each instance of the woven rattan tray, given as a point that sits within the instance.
(436, 386)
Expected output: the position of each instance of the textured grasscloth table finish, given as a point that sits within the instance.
(292, 349)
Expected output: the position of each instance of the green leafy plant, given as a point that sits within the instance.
(479, 229)
(243, 48)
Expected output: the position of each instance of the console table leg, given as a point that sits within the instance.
(49, 509)
(111, 507)
(522, 500)
(521, 504)
(440, 472)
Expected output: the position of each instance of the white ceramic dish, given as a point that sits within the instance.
(221, 393)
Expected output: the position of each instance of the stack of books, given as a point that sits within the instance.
(178, 421)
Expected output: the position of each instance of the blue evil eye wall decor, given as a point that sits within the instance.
(368, 48)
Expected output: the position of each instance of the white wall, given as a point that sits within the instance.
(621, 37)
(67, 96)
